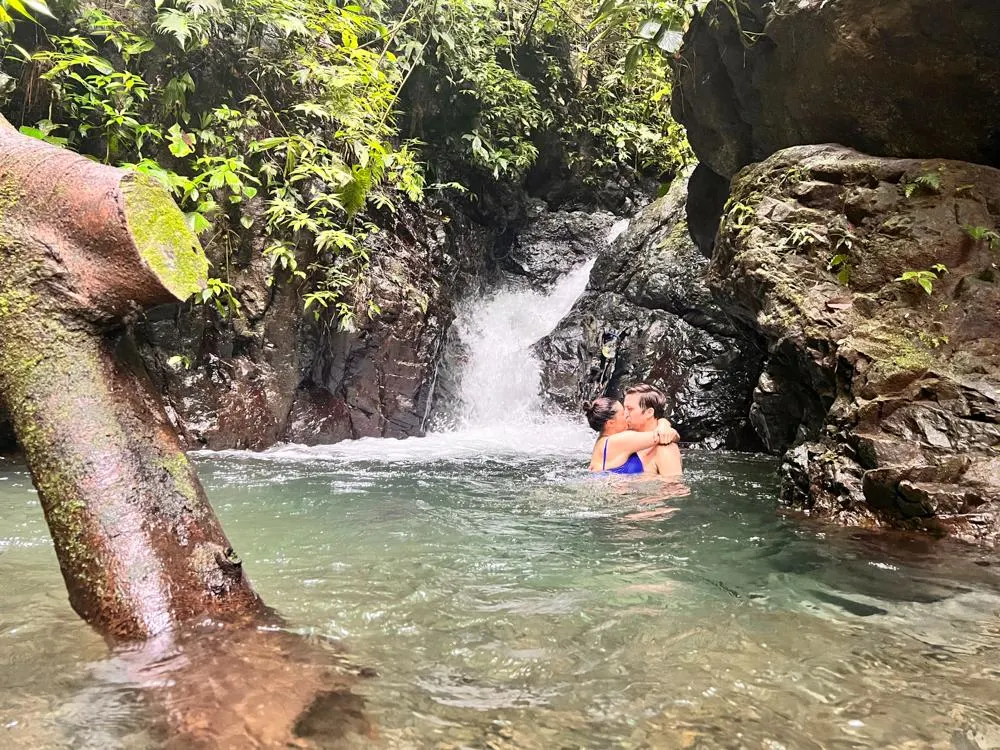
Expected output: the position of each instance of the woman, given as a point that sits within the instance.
(617, 448)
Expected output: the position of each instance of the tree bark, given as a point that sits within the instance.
(82, 246)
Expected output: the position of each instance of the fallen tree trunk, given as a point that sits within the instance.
(82, 246)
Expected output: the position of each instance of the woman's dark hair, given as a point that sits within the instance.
(599, 411)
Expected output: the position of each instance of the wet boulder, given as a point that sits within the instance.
(550, 243)
(874, 284)
(647, 315)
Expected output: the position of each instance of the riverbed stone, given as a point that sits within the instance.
(884, 398)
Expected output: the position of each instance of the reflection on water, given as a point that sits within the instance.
(513, 601)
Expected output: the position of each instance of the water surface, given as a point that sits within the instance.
(507, 599)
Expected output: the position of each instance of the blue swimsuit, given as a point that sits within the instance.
(632, 466)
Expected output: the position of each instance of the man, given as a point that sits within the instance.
(644, 405)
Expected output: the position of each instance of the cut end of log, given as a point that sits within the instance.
(168, 248)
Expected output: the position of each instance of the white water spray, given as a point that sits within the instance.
(617, 230)
(501, 381)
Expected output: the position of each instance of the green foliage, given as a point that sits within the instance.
(983, 234)
(840, 264)
(663, 22)
(221, 294)
(590, 84)
(924, 279)
(468, 47)
(180, 361)
(928, 182)
(739, 215)
(803, 237)
(795, 175)
(21, 9)
(299, 154)
(659, 24)
(932, 341)
(278, 118)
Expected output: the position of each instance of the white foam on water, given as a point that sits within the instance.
(554, 438)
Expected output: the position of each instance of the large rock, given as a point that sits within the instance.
(886, 399)
(914, 78)
(550, 243)
(379, 381)
(648, 316)
(276, 373)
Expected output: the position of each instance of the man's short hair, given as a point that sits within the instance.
(650, 398)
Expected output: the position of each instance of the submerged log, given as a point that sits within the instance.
(83, 246)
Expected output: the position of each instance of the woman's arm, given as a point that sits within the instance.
(631, 441)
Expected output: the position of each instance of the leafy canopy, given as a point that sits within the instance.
(297, 122)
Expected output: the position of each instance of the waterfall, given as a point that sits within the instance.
(617, 230)
(499, 411)
(501, 379)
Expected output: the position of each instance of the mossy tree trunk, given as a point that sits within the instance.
(83, 246)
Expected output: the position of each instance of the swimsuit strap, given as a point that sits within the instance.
(604, 462)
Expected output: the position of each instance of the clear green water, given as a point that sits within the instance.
(513, 602)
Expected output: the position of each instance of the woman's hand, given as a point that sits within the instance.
(665, 434)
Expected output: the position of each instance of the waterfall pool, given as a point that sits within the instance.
(509, 600)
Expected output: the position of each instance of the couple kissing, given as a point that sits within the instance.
(634, 437)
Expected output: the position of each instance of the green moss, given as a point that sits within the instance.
(169, 249)
(15, 301)
(179, 469)
(10, 194)
(892, 349)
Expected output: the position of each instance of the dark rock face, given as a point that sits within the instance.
(8, 441)
(913, 78)
(379, 381)
(278, 374)
(553, 242)
(707, 195)
(885, 399)
(648, 316)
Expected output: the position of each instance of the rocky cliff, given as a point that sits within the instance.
(912, 78)
(870, 281)
(647, 315)
(875, 284)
